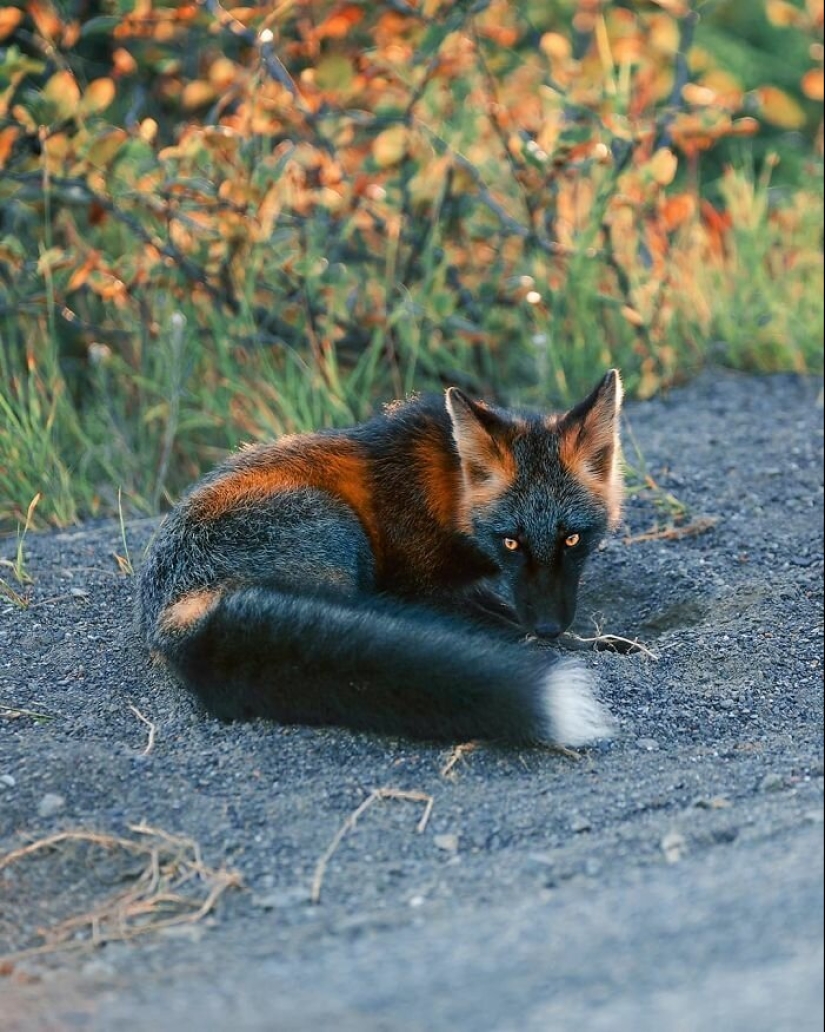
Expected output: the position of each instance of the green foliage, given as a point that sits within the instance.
(223, 222)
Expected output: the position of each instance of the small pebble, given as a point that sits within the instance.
(280, 898)
(7, 780)
(714, 803)
(673, 846)
(449, 843)
(580, 824)
(772, 782)
(648, 744)
(51, 804)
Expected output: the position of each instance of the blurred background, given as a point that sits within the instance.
(219, 223)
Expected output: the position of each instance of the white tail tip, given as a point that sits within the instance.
(574, 714)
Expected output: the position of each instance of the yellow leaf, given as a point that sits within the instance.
(50, 258)
(63, 93)
(662, 166)
(148, 130)
(812, 84)
(335, 73)
(698, 96)
(389, 147)
(10, 18)
(678, 8)
(105, 147)
(783, 14)
(97, 96)
(222, 73)
(556, 46)
(779, 108)
(632, 316)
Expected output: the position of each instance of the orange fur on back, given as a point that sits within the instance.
(332, 464)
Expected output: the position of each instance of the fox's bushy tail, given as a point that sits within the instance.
(375, 665)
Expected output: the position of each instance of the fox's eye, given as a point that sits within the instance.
(572, 540)
(511, 544)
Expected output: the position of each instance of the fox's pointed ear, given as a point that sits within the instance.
(589, 445)
(483, 441)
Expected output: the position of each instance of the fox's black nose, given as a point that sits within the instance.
(550, 629)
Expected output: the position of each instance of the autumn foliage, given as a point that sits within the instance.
(374, 195)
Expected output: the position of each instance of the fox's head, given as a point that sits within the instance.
(538, 494)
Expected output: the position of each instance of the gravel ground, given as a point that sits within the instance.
(669, 879)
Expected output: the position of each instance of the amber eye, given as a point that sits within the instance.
(511, 544)
(572, 540)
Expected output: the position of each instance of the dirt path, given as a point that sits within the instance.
(671, 879)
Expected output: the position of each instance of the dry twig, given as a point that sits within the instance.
(352, 820)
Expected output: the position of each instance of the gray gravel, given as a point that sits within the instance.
(670, 879)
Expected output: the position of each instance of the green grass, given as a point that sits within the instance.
(126, 431)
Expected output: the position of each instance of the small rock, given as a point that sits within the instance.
(726, 704)
(814, 816)
(7, 781)
(648, 744)
(673, 846)
(280, 898)
(714, 803)
(97, 969)
(592, 867)
(51, 804)
(449, 843)
(772, 782)
(78, 593)
(580, 824)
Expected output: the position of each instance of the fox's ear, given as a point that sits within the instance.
(483, 441)
(589, 442)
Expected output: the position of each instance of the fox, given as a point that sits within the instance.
(397, 576)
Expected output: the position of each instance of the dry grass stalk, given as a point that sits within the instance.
(174, 887)
(151, 739)
(456, 755)
(697, 526)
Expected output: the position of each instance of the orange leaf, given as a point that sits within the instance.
(197, 93)
(45, 19)
(678, 210)
(10, 18)
(7, 138)
(779, 108)
(338, 24)
(812, 84)
(745, 127)
(123, 63)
